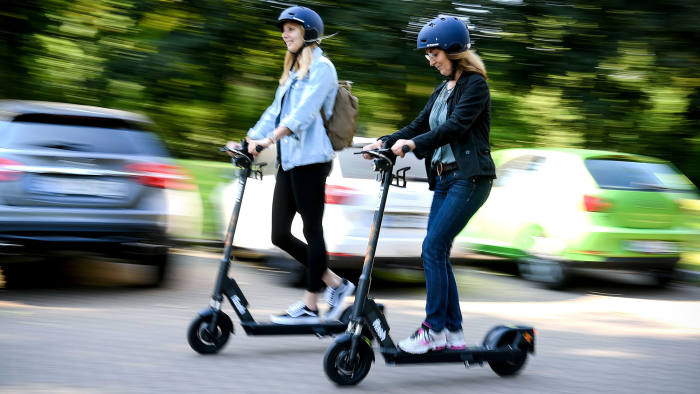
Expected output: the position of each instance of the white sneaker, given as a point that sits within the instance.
(455, 339)
(335, 298)
(297, 313)
(424, 340)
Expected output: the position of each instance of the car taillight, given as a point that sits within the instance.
(164, 176)
(595, 204)
(9, 170)
(336, 194)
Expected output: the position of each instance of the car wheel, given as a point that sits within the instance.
(161, 264)
(662, 279)
(14, 276)
(539, 264)
(31, 274)
(550, 273)
(297, 277)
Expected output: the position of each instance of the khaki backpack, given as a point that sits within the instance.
(342, 125)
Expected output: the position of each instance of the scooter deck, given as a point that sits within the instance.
(475, 354)
(319, 329)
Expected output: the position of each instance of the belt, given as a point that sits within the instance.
(442, 168)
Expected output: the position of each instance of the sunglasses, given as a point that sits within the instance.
(429, 56)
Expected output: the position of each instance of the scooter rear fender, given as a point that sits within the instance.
(518, 337)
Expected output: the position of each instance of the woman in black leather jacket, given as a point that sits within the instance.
(452, 134)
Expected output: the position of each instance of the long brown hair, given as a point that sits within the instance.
(469, 61)
(303, 60)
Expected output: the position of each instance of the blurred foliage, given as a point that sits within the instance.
(607, 74)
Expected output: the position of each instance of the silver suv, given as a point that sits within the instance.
(82, 180)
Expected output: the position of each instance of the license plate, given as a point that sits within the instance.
(405, 221)
(79, 187)
(653, 247)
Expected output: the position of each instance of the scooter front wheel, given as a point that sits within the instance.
(341, 369)
(205, 342)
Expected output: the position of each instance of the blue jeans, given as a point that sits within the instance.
(455, 201)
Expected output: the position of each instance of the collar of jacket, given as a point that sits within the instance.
(460, 81)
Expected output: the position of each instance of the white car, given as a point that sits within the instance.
(352, 194)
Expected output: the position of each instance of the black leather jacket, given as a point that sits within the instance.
(466, 129)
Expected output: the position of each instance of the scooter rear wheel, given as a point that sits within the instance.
(343, 371)
(204, 342)
(510, 367)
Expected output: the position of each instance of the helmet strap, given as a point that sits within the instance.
(299, 50)
(454, 69)
(296, 55)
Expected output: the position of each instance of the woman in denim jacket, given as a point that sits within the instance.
(304, 153)
(452, 134)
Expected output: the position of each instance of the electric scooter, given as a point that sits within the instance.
(348, 360)
(210, 330)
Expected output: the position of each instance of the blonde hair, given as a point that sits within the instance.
(469, 61)
(303, 60)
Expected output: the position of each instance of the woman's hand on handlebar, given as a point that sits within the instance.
(375, 145)
(257, 146)
(232, 145)
(398, 150)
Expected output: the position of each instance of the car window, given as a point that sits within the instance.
(31, 135)
(634, 175)
(76, 120)
(148, 143)
(518, 169)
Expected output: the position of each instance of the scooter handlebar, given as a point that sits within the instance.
(236, 152)
(241, 157)
(376, 153)
(383, 151)
(241, 151)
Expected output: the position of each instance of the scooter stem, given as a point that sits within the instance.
(243, 174)
(366, 276)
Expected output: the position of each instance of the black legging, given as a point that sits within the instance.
(302, 189)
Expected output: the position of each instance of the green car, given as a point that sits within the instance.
(556, 211)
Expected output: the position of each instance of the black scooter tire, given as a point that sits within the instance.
(511, 367)
(201, 341)
(336, 364)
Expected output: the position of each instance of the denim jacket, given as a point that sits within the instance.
(308, 143)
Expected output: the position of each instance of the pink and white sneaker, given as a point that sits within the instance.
(423, 341)
(455, 339)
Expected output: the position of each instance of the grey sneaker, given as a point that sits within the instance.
(335, 298)
(297, 313)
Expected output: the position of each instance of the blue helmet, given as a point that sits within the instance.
(313, 25)
(444, 32)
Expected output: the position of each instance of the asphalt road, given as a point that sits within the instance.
(99, 332)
